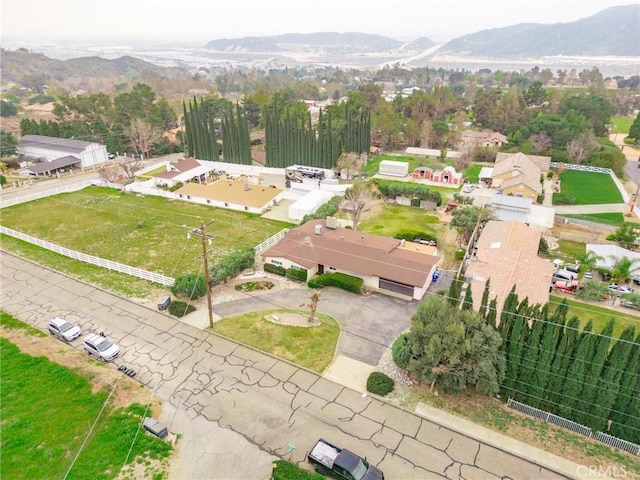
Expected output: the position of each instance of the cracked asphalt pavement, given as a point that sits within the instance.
(238, 409)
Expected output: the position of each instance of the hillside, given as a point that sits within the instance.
(351, 42)
(614, 31)
(18, 64)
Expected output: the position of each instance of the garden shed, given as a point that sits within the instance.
(393, 169)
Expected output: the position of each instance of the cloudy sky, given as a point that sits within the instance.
(183, 21)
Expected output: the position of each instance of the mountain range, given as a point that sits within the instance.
(614, 31)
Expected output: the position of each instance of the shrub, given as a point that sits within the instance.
(231, 265)
(297, 274)
(190, 285)
(288, 471)
(379, 384)
(340, 280)
(277, 269)
(460, 255)
(543, 246)
(411, 235)
(401, 351)
(175, 187)
(180, 309)
(313, 284)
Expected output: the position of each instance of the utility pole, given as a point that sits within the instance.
(199, 232)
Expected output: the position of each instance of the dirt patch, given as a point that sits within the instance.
(293, 319)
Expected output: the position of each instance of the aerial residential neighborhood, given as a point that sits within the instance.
(260, 261)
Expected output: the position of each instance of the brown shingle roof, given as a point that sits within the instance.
(518, 169)
(353, 251)
(541, 161)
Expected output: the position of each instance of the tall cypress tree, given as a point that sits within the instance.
(528, 364)
(591, 383)
(467, 301)
(609, 384)
(574, 377)
(509, 310)
(551, 334)
(561, 361)
(514, 349)
(484, 303)
(625, 419)
(492, 312)
(455, 289)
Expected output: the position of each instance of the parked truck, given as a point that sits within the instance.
(332, 461)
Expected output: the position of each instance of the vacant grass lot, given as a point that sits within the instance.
(310, 347)
(393, 218)
(48, 411)
(599, 314)
(589, 188)
(145, 232)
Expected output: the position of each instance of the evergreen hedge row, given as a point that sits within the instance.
(340, 280)
(277, 269)
(297, 274)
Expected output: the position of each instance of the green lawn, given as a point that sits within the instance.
(47, 411)
(621, 124)
(394, 218)
(99, 221)
(310, 347)
(599, 314)
(372, 167)
(615, 218)
(589, 188)
(471, 173)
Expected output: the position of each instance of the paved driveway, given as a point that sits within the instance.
(238, 408)
(369, 324)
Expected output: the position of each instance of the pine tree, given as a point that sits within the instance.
(609, 384)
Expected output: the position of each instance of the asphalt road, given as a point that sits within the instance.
(238, 409)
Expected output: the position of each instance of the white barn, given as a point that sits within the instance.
(45, 150)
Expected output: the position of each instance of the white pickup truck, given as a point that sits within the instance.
(329, 460)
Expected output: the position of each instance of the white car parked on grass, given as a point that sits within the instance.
(64, 330)
(98, 345)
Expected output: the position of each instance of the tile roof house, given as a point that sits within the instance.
(385, 264)
(517, 174)
(183, 170)
(43, 149)
(483, 139)
(507, 253)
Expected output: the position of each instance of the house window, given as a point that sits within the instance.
(296, 267)
(188, 197)
(180, 195)
(226, 204)
(246, 208)
(208, 200)
(276, 262)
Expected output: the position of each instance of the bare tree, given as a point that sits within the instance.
(579, 147)
(348, 163)
(356, 200)
(313, 305)
(143, 136)
(540, 142)
(129, 166)
(110, 173)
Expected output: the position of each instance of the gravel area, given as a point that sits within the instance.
(403, 384)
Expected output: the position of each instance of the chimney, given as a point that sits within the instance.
(361, 238)
(318, 229)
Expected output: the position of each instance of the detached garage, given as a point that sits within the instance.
(40, 149)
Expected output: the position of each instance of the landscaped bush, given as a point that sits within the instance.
(459, 255)
(190, 285)
(175, 187)
(411, 235)
(297, 274)
(340, 280)
(180, 309)
(379, 384)
(401, 351)
(231, 265)
(563, 199)
(277, 269)
(288, 471)
(393, 189)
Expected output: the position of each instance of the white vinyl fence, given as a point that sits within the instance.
(83, 257)
(587, 168)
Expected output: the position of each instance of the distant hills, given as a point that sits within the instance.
(614, 31)
(18, 64)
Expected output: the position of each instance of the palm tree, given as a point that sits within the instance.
(588, 261)
(623, 269)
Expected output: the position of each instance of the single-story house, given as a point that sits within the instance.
(385, 264)
(611, 254)
(185, 170)
(507, 254)
(516, 174)
(483, 139)
(42, 149)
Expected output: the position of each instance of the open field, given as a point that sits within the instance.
(48, 413)
(145, 232)
(589, 188)
(392, 218)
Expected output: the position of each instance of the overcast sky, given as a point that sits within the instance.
(204, 20)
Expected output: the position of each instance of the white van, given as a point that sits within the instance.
(564, 275)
